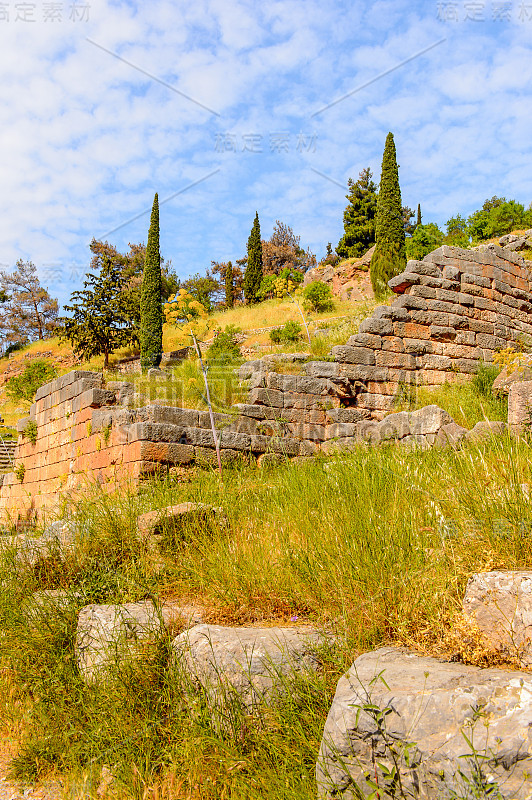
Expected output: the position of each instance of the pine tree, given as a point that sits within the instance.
(229, 297)
(151, 314)
(253, 275)
(28, 312)
(418, 214)
(359, 217)
(389, 258)
(99, 323)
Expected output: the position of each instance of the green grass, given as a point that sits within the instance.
(184, 387)
(467, 402)
(376, 545)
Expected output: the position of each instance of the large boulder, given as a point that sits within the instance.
(248, 661)
(402, 725)
(500, 605)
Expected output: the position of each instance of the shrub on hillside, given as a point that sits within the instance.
(225, 348)
(289, 332)
(24, 386)
(318, 297)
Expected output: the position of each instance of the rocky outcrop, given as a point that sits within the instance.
(348, 280)
(402, 725)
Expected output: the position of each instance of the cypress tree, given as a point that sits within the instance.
(253, 275)
(151, 313)
(389, 257)
(229, 285)
(418, 214)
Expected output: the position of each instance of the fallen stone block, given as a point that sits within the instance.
(451, 434)
(248, 661)
(109, 637)
(500, 604)
(445, 727)
(428, 420)
(520, 406)
(157, 522)
(486, 430)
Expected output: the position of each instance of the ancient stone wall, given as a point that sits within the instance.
(456, 307)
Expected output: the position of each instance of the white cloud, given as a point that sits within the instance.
(87, 139)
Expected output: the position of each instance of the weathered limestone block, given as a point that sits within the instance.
(365, 340)
(354, 355)
(503, 381)
(340, 430)
(500, 604)
(109, 636)
(155, 432)
(57, 540)
(451, 434)
(428, 420)
(266, 397)
(486, 430)
(520, 405)
(432, 710)
(322, 369)
(154, 523)
(376, 325)
(346, 414)
(249, 661)
(266, 444)
(395, 426)
(404, 281)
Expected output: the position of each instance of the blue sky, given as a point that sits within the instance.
(236, 119)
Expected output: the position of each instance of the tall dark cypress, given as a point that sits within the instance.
(151, 312)
(418, 214)
(253, 275)
(389, 257)
(229, 285)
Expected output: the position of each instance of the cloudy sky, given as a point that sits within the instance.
(226, 107)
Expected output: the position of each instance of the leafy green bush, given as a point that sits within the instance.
(424, 240)
(13, 348)
(30, 431)
(289, 332)
(318, 297)
(225, 348)
(24, 386)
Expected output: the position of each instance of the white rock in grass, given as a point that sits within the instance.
(431, 717)
(500, 604)
(248, 661)
(108, 636)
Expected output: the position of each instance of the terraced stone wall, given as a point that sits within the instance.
(455, 308)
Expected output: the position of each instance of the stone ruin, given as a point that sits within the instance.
(455, 308)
